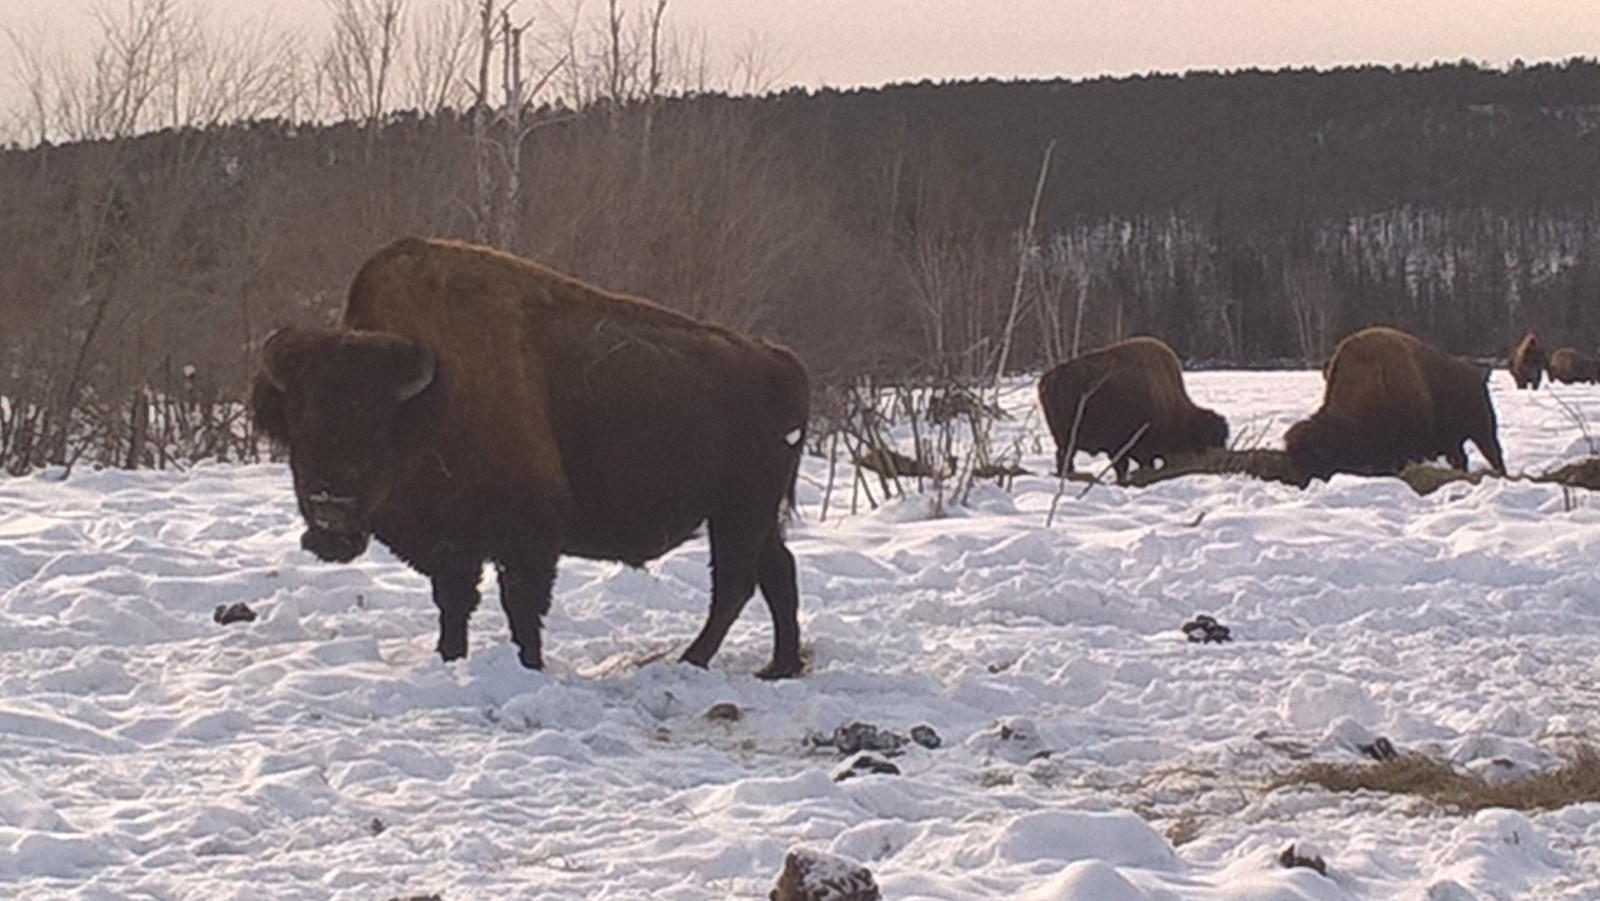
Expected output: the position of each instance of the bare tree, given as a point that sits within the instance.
(360, 59)
(1312, 298)
(435, 70)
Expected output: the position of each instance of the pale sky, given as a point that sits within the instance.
(853, 42)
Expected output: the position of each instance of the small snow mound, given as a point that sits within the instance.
(987, 497)
(1088, 880)
(908, 508)
(1116, 837)
(61, 856)
(1315, 700)
(1499, 848)
(1449, 890)
(1013, 738)
(767, 792)
(1345, 734)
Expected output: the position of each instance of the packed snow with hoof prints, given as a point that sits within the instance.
(994, 707)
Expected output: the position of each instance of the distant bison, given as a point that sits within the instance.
(1528, 360)
(1390, 400)
(1569, 365)
(472, 406)
(1122, 388)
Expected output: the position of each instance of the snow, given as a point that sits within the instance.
(324, 752)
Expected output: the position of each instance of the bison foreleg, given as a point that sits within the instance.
(455, 593)
(525, 595)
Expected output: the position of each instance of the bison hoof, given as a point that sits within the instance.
(531, 661)
(776, 670)
(334, 547)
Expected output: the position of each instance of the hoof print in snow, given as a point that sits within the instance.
(853, 737)
(813, 876)
(1205, 630)
(925, 736)
(1381, 750)
(865, 765)
(377, 826)
(1290, 858)
(725, 713)
(233, 613)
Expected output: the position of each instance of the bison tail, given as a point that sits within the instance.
(789, 509)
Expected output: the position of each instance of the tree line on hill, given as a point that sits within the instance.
(913, 231)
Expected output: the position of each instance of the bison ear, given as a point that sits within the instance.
(271, 383)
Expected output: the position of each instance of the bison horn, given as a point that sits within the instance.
(413, 387)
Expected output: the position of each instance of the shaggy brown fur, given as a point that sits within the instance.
(1528, 360)
(474, 406)
(1122, 387)
(1391, 400)
(1570, 365)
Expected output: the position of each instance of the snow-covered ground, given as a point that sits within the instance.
(323, 751)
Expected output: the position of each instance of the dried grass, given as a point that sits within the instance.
(1267, 464)
(1576, 781)
(1583, 473)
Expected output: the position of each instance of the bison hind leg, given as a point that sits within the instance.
(775, 573)
(745, 550)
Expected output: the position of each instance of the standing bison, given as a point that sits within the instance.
(1099, 402)
(1528, 360)
(1390, 400)
(1569, 365)
(474, 406)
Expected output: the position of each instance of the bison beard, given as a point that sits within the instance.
(474, 407)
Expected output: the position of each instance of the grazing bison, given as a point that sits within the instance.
(1569, 365)
(1391, 400)
(1528, 360)
(474, 406)
(1122, 388)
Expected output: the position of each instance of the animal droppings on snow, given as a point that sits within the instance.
(724, 712)
(853, 737)
(1206, 630)
(865, 765)
(1291, 858)
(238, 612)
(814, 876)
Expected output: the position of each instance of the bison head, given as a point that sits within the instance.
(356, 411)
(1318, 448)
(1210, 430)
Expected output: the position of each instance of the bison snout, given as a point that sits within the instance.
(331, 512)
(334, 547)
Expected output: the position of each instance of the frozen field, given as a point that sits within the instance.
(324, 752)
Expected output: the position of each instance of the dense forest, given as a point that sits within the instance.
(1249, 218)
